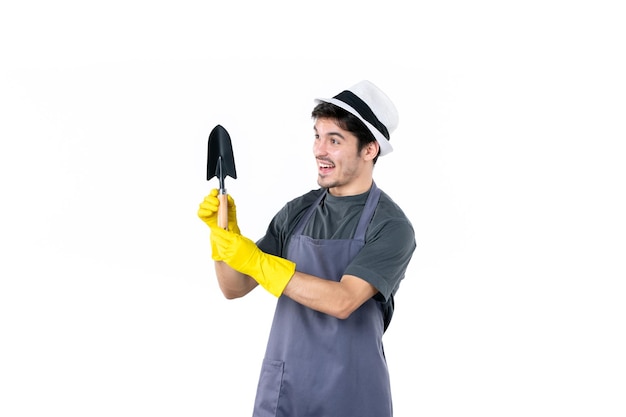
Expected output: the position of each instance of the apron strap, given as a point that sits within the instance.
(366, 217)
(368, 212)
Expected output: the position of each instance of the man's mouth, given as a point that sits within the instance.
(324, 166)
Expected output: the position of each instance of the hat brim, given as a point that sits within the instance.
(385, 146)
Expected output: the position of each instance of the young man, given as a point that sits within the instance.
(334, 257)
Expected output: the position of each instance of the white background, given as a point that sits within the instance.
(509, 160)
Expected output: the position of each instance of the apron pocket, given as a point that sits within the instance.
(270, 382)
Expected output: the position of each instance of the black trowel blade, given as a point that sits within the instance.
(220, 158)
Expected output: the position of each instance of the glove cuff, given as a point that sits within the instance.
(277, 272)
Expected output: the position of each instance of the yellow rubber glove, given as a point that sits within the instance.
(271, 272)
(208, 214)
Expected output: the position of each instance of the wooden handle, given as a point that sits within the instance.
(222, 211)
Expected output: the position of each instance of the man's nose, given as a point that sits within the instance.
(319, 147)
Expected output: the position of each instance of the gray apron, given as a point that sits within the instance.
(317, 365)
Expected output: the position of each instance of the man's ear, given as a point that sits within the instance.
(371, 150)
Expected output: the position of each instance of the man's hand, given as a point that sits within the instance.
(208, 214)
(240, 253)
(208, 211)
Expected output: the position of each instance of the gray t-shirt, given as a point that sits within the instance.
(389, 240)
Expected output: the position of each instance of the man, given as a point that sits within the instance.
(334, 257)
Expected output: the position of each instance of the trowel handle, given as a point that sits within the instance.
(222, 211)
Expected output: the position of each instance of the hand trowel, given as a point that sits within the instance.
(221, 163)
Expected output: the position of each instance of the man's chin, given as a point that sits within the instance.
(325, 183)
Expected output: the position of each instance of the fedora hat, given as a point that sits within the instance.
(372, 107)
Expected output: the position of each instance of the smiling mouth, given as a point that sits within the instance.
(324, 167)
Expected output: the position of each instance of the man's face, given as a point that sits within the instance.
(340, 166)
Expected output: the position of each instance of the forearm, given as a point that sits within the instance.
(233, 283)
(338, 299)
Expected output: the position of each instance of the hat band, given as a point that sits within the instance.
(364, 110)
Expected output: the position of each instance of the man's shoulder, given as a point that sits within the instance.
(387, 207)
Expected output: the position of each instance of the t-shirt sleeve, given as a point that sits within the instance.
(271, 241)
(385, 257)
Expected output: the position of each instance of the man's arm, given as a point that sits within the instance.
(233, 283)
(338, 299)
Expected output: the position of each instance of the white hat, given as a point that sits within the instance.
(372, 107)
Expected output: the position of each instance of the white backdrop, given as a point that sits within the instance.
(508, 159)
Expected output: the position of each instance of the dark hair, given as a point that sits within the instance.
(346, 121)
